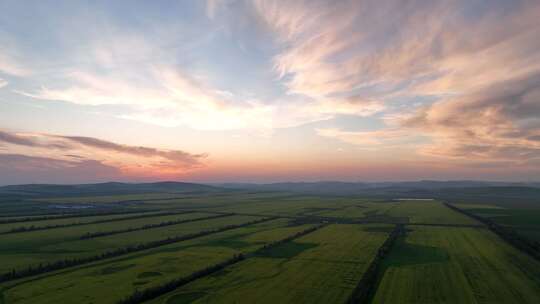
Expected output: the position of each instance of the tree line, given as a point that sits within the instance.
(66, 263)
(36, 228)
(368, 283)
(506, 233)
(91, 235)
(154, 292)
(288, 239)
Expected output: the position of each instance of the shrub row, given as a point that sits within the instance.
(61, 264)
(36, 228)
(506, 233)
(288, 239)
(90, 235)
(157, 291)
(368, 283)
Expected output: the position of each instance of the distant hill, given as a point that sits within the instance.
(477, 191)
(40, 190)
(359, 187)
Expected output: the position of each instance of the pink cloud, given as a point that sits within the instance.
(130, 160)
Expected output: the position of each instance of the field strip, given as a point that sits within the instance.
(368, 283)
(338, 220)
(155, 292)
(83, 284)
(38, 218)
(61, 264)
(507, 234)
(151, 226)
(23, 229)
(429, 264)
(321, 267)
(445, 225)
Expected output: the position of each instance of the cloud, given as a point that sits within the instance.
(372, 140)
(174, 98)
(19, 169)
(130, 160)
(175, 155)
(438, 47)
(15, 139)
(142, 74)
(3, 83)
(11, 66)
(499, 122)
(212, 7)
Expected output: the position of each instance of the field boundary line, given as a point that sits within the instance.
(52, 216)
(67, 263)
(505, 233)
(89, 235)
(446, 225)
(368, 284)
(24, 229)
(157, 291)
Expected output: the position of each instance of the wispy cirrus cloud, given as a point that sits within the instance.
(479, 62)
(129, 160)
(11, 66)
(388, 138)
(440, 47)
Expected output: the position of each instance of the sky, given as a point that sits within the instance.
(266, 91)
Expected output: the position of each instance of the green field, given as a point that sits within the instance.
(428, 212)
(151, 267)
(433, 263)
(69, 221)
(31, 248)
(442, 259)
(322, 267)
(524, 221)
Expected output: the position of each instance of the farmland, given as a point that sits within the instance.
(265, 247)
(431, 263)
(522, 220)
(322, 267)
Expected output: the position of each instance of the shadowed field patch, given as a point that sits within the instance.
(185, 298)
(113, 269)
(404, 254)
(149, 274)
(287, 250)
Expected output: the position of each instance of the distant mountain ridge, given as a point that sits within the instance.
(477, 191)
(453, 190)
(356, 186)
(108, 188)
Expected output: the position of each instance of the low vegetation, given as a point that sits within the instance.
(168, 243)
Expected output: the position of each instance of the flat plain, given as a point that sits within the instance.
(431, 263)
(322, 267)
(444, 256)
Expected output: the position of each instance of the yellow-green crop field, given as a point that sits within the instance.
(293, 248)
(433, 263)
(322, 267)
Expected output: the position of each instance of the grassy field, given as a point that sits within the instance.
(69, 221)
(428, 212)
(457, 265)
(449, 264)
(22, 249)
(108, 198)
(86, 284)
(526, 222)
(321, 267)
